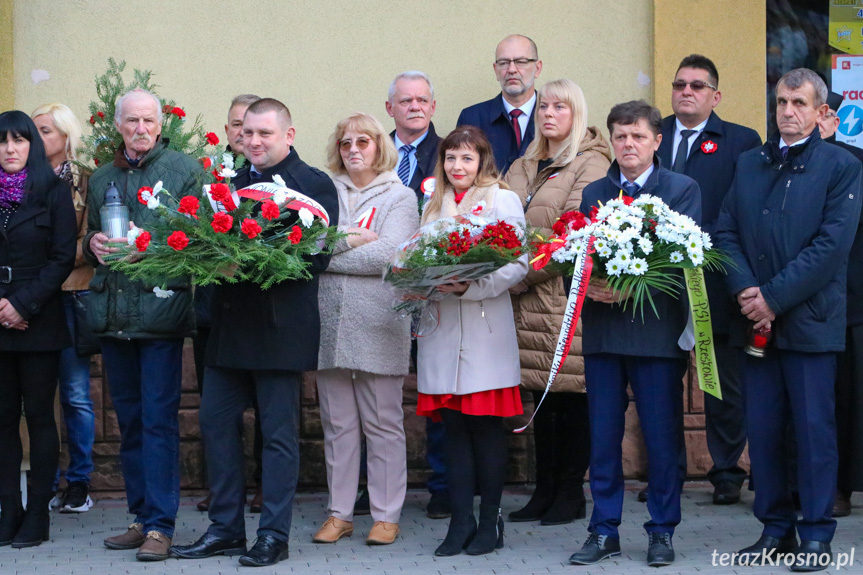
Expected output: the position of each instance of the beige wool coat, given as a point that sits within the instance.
(474, 347)
(359, 329)
(539, 312)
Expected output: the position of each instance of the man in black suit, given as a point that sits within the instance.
(507, 119)
(260, 343)
(698, 143)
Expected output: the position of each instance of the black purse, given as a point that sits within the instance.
(86, 343)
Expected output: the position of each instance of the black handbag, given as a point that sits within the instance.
(86, 343)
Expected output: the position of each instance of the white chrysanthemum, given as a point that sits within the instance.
(277, 179)
(228, 161)
(706, 241)
(133, 234)
(697, 258)
(645, 245)
(604, 252)
(624, 256)
(600, 244)
(638, 266)
(162, 293)
(615, 267)
(306, 217)
(676, 257)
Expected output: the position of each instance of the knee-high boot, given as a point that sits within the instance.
(572, 457)
(490, 447)
(544, 448)
(461, 480)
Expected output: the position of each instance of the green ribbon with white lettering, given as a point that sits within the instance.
(705, 356)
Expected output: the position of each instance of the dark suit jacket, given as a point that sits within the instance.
(714, 173)
(491, 117)
(608, 328)
(278, 328)
(40, 240)
(426, 159)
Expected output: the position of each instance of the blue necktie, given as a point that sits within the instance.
(404, 170)
(631, 189)
(784, 151)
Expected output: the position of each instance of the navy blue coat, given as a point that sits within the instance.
(491, 117)
(789, 226)
(278, 328)
(426, 160)
(608, 328)
(714, 173)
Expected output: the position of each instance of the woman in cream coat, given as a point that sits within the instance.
(468, 368)
(365, 348)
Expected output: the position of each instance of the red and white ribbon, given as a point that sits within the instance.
(365, 220)
(294, 200)
(574, 303)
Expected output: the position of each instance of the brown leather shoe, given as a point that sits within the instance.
(131, 539)
(204, 504)
(156, 547)
(382, 533)
(257, 501)
(332, 530)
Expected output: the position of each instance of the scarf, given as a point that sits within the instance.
(12, 188)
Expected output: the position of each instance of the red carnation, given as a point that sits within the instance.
(166, 109)
(142, 241)
(222, 222)
(96, 161)
(93, 120)
(178, 240)
(101, 115)
(594, 211)
(189, 205)
(627, 200)
(296, 235)
(141, 191)
(212, 138)
(222, 193)
(270, 210)
(216, 175)
(178, 112)
(206, 162)
(251, 228)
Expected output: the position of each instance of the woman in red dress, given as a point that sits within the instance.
(468, 367)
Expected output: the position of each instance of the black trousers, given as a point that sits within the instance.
(725, 419)
(849, 412)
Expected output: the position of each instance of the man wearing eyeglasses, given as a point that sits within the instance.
(698, 143)
(507, 119)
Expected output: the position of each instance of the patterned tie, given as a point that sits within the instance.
(682, 151)
(631, 189)
(784, 151)
(516, 126)
(255, 176)
(404, 171)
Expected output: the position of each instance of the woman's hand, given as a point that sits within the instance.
(458, 288)
(360, 237)
(9, 316)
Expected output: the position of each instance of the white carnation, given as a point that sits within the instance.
(306, 217)
(277, 179)
(162, 293)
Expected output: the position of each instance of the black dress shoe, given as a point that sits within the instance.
(659, 550)
(439, 505)
(726, 493)
(812, 556)
(595, 549)
(209, 545)
(267, 550)
(642, 495)
(768, 547)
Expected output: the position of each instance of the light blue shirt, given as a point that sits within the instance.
(413, 157)
(640, 180)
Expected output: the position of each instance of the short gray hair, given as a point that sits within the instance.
(799, 76)
(118, 107)
(243, 100)
(410, 75)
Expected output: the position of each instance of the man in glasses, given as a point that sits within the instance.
(698, 143)
(507, 119)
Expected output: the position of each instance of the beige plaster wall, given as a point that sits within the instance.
(328, 58)
(732, 33)
(7, 84)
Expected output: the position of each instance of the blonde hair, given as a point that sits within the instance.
(570, 94)
(66, 123)
(387, 156)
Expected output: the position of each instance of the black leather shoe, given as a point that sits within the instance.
(209, 545)
(595, 549)
(267, 550)
(659, 550)
(812, 556)
(439, 506)
(642, 495)
(726, 493)
(769, 547)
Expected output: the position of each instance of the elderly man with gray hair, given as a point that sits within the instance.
(142, 333)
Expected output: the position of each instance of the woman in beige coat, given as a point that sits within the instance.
(563, 158)
(365, 348)
(467, 369)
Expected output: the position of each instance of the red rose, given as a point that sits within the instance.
(270, 210)
(189, 205)
(142, 241)
(222, 193)
(206, 162)
(178, 112)
(222, 222)
(212, 138)
(101, 115)
(296, 235)
(251, 228)
(93, 120)
(178, 240)
(141, 191)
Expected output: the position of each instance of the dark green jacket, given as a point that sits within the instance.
(128, 309)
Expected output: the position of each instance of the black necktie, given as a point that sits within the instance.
(682, 151)
(255, 177)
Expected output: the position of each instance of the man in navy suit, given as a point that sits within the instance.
(507, 119)
(619, 349)
(788, 223)
(698, 143)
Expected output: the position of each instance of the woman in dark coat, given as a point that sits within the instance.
(37, 252)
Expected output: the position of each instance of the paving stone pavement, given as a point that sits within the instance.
(76, 542)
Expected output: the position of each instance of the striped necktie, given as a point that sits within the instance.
(404, 171)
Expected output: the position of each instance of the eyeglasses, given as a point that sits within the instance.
(696, 85)
(519, 62)
(362, 144)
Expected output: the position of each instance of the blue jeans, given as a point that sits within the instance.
(144, 377)
(77, 405)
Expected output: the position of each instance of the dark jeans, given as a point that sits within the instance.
(144, 378)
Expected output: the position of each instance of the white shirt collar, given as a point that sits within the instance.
(698, 129)
(527, 107)
(782, 143)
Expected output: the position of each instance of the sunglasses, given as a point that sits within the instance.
(362, 144)
(696, 85)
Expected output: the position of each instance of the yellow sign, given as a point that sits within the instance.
(845, 32)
